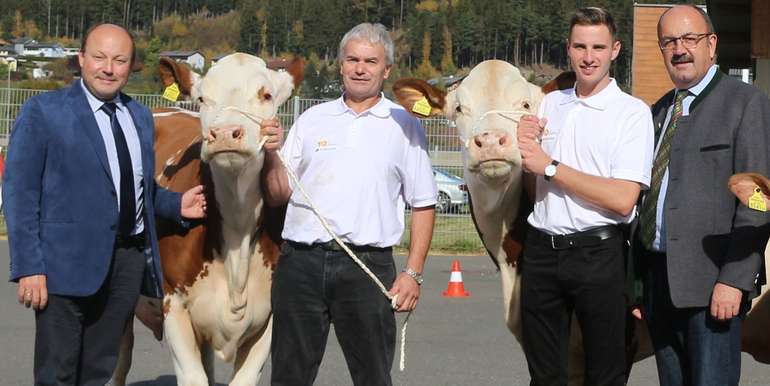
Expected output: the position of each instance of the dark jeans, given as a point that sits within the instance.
(77, 338)
(691, 347)
(312, 288)
(589, 280)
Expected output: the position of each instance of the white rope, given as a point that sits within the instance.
(327, 227)
(512, 115)
(393, 299)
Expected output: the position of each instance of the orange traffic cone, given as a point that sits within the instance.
(456, 289)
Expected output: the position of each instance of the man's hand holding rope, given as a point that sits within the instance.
(407, 292)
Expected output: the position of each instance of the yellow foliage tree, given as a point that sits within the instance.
(25, 28)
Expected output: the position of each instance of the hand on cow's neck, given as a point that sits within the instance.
(359, 105)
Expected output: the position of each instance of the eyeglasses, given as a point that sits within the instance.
(689, 40)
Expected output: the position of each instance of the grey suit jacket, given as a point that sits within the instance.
(710, 236)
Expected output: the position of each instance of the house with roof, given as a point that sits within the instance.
(194, 58)
(19, 44)
(45, 50)
(7, 50)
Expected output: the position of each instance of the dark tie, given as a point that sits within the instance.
(127, 196)
(649, 206)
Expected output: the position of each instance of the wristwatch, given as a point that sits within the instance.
(413, 274)
(550, 170)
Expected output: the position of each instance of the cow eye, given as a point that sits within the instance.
(200, 100)
(267, 97)
(458, 109)
(526, 105)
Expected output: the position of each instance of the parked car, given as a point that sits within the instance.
(452, 191)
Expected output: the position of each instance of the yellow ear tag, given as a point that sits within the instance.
(422, 107)
(757, 202)
(172, 92)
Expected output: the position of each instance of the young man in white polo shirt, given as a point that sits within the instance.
(361, 158)
(590, 154)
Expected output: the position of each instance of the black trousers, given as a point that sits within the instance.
(313, 287)
(589, 280)
(77, 339)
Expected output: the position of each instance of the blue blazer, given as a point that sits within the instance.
(60, 204)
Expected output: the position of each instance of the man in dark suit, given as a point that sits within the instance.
(80, 204)
(701, 246)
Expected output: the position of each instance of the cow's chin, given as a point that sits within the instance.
(230, 159)
(494, 169)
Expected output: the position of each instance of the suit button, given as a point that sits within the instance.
(112, 227)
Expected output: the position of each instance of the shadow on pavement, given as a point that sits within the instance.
(163, 380)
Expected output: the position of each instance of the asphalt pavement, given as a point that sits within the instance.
(450, 341)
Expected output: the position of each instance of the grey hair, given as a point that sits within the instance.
(371, 33)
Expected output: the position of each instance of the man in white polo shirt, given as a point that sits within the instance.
(590, 154)
(361, 158)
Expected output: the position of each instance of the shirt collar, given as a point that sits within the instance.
(380, 110)
(96, 103)
(598, 101)
(698, 88)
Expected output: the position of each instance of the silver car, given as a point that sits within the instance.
(452, 192)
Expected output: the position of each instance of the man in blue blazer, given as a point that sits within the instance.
(80, 205)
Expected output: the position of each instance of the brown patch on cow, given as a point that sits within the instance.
(161, 110)
(172, 72)
(513, 242)
(183, 251)
(410, 90)
(297, 70)
(264, 94)
(270, 226)
(744, 185)
(204, 272)
(513, 245)
(563, 81)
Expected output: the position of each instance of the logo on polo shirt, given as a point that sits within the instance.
(324, 145)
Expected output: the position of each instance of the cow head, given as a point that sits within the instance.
(234, 96)
(485, 107)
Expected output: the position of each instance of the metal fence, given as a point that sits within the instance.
(454, 230)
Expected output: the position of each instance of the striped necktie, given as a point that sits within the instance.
(649, 206)
(127, 219)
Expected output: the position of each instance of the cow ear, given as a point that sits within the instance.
(564, 81)
(744, 185)
(408, 91)
(284, 85)
(172, 72)
(297, 70)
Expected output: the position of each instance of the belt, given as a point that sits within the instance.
(332, 246)
(131, 241)
(586, 238)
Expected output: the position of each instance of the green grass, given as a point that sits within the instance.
(451, 235)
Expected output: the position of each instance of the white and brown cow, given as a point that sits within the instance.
(486, 106)
(217, 275)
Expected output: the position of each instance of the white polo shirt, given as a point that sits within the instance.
(359, 170)
(609, 134)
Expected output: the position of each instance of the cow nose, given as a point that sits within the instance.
(225, 133)
(491, 139)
